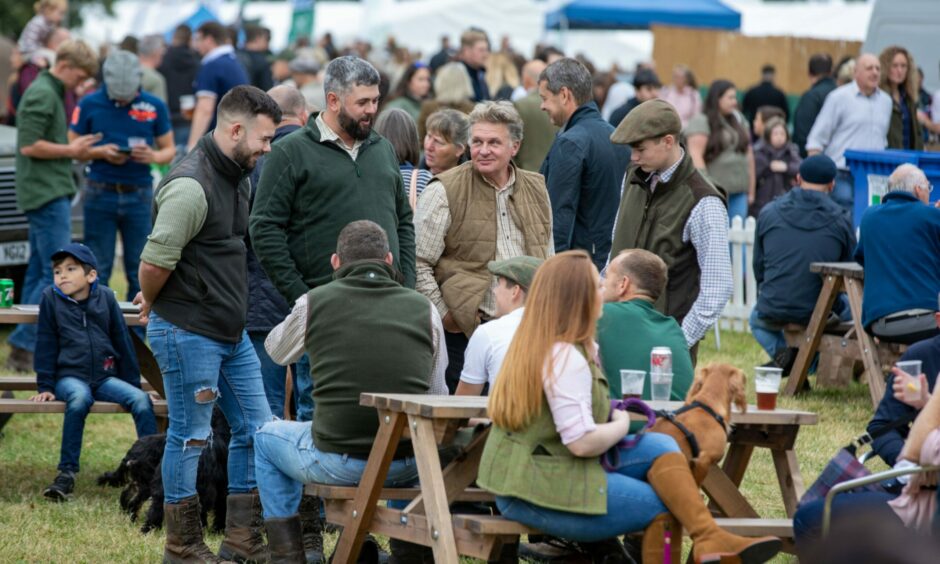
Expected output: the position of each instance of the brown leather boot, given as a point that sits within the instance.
(312, 525)
(243, 540)
(184, 544)
(654, 540)
(285, 545)
(671, 478)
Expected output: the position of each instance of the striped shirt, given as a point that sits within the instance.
(424, 176)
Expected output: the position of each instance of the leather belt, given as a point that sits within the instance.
(118, 187)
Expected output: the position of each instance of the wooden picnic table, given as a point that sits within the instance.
(838, 276)
(427, 520)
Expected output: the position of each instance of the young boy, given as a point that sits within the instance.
(83, 354)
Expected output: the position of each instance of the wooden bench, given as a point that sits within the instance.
(26, 406)
(28, 384)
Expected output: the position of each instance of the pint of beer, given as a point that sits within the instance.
(187, 105)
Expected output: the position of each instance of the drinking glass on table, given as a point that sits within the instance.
(767, 383)
(631, 383)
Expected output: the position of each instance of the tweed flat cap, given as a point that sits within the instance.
(520, 270)
(653, 118)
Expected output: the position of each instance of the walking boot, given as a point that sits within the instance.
(312, 526)
(409, 553)
(243, 540)
(655, 547)
(184, 544)
(673, 482)
(285, 545)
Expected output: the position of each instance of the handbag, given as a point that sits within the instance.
(610, 460)
(845, 465)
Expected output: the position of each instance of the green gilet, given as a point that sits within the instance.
(534, 465)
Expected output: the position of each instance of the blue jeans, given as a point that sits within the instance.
(631, 502)
(844, 191)
(768, 333)
(737, 205)
(286, 459)
(50, 229)
(79, 396)
(106, 213)
(197, 373)
(273, 375)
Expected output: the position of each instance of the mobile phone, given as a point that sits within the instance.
(125, 150)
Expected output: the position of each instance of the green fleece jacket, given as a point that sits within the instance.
(309, 190)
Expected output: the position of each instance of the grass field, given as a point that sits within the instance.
(91, 527)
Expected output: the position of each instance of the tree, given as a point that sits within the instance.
(16, 13)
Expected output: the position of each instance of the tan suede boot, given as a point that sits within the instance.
(671, 478)
(243, 540)
(654, 540)
(184, 543)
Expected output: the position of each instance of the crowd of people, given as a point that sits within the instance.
(482, 223)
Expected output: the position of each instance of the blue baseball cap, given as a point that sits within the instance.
(818, 169)
(79, 252)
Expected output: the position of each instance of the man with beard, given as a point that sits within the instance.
(194, 295)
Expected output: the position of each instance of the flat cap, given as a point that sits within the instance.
(653, 118)
(122, 76)
(818, 169)
(520, 270)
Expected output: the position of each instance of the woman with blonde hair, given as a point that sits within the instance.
(550, 408)
(452, 89)
(899, 79)
(502, 76)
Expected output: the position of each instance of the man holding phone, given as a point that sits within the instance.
(119, 188)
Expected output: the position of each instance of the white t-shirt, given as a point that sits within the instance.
(487, 348)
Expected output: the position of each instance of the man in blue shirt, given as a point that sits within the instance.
(899, 246)
(119, 189)
(220, 72)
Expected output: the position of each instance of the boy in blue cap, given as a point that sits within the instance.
(84, 354)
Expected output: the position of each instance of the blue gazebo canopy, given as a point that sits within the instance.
(641, 14)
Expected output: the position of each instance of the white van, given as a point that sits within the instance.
(912, 24)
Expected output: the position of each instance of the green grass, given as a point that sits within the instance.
(91, 527)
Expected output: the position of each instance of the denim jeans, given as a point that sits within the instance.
(79, 396)
(106, 213)
(844, 191)
(737, 205)
(631, 502)
(768, 333)
(303, 389)
(274, 375)
(50, 229)
(286, 459)
(199, 372)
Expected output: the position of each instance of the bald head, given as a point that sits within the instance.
(531, 72)
(867, 73)
(292, 103)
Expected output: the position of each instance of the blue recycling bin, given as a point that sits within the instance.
(871, 169)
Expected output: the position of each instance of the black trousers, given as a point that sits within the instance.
(456, 346)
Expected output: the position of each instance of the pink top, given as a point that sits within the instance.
(569, 392)
(688, 103)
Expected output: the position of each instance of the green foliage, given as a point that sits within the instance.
(16, 13)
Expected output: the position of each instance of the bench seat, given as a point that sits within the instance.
(28, 384)
(26, 406)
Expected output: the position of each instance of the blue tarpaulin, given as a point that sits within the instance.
(641, 14)
(199, 17)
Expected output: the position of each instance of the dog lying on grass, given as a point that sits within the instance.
(140, 472)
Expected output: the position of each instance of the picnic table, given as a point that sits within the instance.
(838, 276)
(427, 520)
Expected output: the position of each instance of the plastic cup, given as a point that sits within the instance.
(661, 386)
(187, 106)
(631, 383)
(912, 390)
(767, 382)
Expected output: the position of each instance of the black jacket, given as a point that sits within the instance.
(807, 109)
(481, 91)
(179, 67)
(796, 229)
(258, 68)
(764, 94)
(584, 173)
(621, 111)
(86, 340)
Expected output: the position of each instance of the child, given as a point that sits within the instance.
(764, 114)
(49, 14)
(83, 354)
(776, 164)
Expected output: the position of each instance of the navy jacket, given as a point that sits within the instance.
(811, 103)
(889, 410)
(87, 340)
(584, 174)
(796, 229)
(899, 246)
(266, 306)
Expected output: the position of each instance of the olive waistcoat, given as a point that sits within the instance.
(470, 242)
(654, 221)
(532, 464)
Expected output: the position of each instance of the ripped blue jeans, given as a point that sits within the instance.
(199, 372)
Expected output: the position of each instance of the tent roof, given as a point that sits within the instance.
(640, 14)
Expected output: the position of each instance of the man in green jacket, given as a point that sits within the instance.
(44, 185)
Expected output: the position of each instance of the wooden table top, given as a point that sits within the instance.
(848, 269)
(465, 407)
(26, 314)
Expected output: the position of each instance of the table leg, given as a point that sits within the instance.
(876, 382)
(459, 473)
(391, 425)
(789, 477)
(814, 331)
(725, 496)
(433, 490)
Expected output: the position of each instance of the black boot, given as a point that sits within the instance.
(285, 545)
(61, 488)
(312, 526)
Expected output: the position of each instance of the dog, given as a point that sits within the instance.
(706, 416)
(140, 472)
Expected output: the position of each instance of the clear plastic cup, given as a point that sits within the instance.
(912, 391)
(187, 106)
(767, 383)
(660, 386)
(631, 383)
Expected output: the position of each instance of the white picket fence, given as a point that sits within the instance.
(738, 309)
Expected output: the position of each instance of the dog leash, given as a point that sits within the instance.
(610, 460)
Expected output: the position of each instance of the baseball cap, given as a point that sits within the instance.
(520, 270)
(122, 75)
(79, 252)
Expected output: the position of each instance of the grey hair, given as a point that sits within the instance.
(345, 73)
(498, 112)
(150, 45)
(571, 74)
(905, 178)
